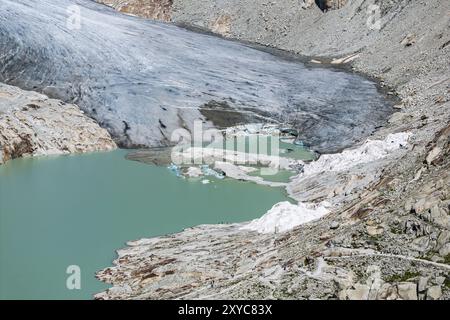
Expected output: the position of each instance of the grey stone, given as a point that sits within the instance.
(422, 285)
(407, 291)
(359, 292)
(440, 280)
(445, 250)
(433, 155)
(434, 293)
(439, 216)
(334, 225)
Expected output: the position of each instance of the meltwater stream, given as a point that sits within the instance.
(142, 79)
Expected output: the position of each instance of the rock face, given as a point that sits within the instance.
(222, 25)
(153, 9)
(32, 124)
(393, 238)
(326, 5)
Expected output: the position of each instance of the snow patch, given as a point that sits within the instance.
(284, 216)
(370, 151)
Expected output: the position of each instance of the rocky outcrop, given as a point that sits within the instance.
(153, 9)
(32, 124)
(387, 235)
(325, 5)
(222, 25)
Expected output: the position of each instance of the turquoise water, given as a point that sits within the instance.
(283, 149)
(280, 176)
(77, 210)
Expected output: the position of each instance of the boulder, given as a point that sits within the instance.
(359, 292)
(433, 155)
(388, 292)
(422, 285)
(409, 40)
(434, 293)
(407, 290)
(374, 230)
(334, 225)
(440, 217)
(445, 250)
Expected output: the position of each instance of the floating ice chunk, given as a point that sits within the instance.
(205, 181)
(194, 172)
(175, 169)
(284, 216)
(207, 171)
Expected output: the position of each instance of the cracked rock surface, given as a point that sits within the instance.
(33, 124)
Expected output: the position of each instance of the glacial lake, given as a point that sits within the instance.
(78, 209)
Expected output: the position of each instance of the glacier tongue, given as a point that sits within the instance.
(143, 79)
